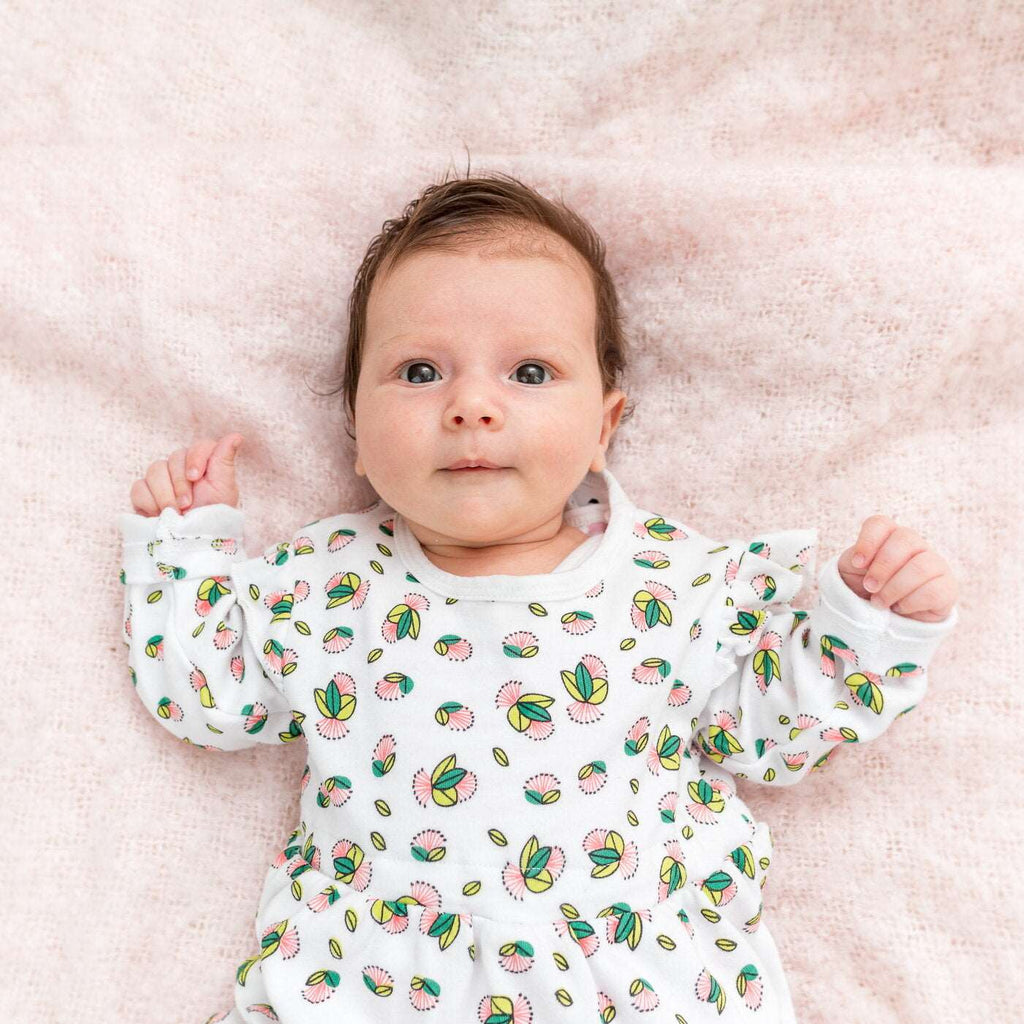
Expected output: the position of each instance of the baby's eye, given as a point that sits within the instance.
(420, 367)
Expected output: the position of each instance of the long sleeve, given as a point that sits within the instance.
(792, 685)
(201, 653)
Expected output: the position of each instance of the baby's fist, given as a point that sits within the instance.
(203, 474)
(894, 568)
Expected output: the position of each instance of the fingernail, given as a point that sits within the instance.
(193, 473)
(858, 561)
(870, 583)
(184, 500)
(877, 601)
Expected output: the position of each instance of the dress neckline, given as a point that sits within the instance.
(612, 506)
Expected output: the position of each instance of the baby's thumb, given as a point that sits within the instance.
(223, 456)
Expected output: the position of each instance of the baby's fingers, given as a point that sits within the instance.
(905, 585)
(197, 457)
(182, 488)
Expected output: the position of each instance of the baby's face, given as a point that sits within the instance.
(493, 358)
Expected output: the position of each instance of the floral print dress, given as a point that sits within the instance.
(520, 800)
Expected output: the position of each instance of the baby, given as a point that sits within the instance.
(526, 701)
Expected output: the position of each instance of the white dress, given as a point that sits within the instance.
(520, 801)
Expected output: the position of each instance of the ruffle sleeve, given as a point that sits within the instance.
(791, 685)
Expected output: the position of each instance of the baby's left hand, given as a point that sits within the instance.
(900, 570)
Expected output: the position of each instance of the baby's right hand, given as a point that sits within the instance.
(203, 474)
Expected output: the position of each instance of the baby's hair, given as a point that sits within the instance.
(462, 211)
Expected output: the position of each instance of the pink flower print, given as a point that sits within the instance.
(695, 629)
(279, 938)
(446, 785)
(578, 930)
(538, 869)
(578, 622)
(337, 704)
(767, 667)
(393, 686)
(707, 800)
(391, 915)
(349, 864)
(651, 671)
(658, 529)
(587, 685)
(720, 887)
(320, 986)
(831, 648)
(302, 545)
(166, 708)
(155, 647)
(210, 591)
(424, 993)
(592, 777)
(428, 845)
(454, 648)
(720, 741)
(334, 791)
(423, 894)
(444, 927)
(516, 957)
(377, 980)
(866, 690)
(255, 717)
(625, 924)
(750, 987)
(229, 545)
(667, 806)
(794, 762)
(652, 559)
(672, 874)
(280, 603)
(596, 590)
(224, 636)
(324, 899)
(684, 920)
(649, 606)
(282, 660)
(265, 1009)
(542, 789)
(404, 619)
(339, 539)
(505, 1009)
(345, 588)
(763, 586)
(642, 995)
(383, 755)
(338, 639)
(454, 716)
(526, 712)
(521, 644)
(709, 991)
(609, 853)
(605, 1007)
(636, 738)
(679, 694)
(665, 753)
(803, 721)
(197, 680)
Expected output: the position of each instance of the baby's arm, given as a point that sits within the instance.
(793, 685)
(205, 673)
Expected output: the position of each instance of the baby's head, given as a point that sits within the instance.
(483, 325)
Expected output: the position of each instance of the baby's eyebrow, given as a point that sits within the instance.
(539, 343)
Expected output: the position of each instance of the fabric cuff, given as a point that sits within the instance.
(842, 612)
(204, 541)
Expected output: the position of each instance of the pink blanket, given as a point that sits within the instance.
(815, 216)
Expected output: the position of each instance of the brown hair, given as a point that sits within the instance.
(474, 209)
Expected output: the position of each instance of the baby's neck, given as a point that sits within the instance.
(505, 562)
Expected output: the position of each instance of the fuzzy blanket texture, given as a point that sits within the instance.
(814, 214)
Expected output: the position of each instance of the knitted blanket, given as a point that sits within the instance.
(814, 214)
